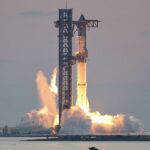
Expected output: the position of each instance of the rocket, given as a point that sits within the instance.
(81, 58)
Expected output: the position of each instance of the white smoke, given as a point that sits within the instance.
(47, 95)
(43, 117)
(33, 119)
(121, 124)
(76, 121)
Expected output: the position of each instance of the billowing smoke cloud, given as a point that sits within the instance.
(47, 96)
(34, 119)
(120, 124)
(76, 121)
(45, 116)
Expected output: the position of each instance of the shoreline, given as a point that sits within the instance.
(84, 137)
(116, 137)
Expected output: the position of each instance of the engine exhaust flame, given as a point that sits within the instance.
(82, 100)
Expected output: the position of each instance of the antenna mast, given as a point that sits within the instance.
(66, 3)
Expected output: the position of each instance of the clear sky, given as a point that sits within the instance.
(118, 63)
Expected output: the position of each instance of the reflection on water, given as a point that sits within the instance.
(19, 144)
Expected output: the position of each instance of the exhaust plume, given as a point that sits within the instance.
(46, 114)
(80, 119)
(76, 120)
(119, 123)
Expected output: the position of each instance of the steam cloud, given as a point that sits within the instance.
(75, 120)
(121, 124)
(34, 120)
(45, 116)
(47, 96)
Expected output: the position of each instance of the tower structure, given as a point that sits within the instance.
(67, 28)
(65, 55)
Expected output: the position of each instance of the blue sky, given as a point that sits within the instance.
(118, 63)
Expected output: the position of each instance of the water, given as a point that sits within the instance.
(17, 144)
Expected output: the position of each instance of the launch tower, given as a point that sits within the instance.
(67, 28)
(65, 55)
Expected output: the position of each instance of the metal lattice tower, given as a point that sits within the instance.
(65, 55)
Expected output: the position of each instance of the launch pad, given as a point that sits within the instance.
(67, 29)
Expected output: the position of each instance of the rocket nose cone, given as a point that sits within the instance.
(82, 18)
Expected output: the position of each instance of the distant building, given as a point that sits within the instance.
(5, 130)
